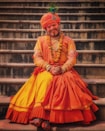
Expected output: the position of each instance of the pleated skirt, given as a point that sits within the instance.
(62, 98)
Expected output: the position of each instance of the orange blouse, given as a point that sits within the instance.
(43, 56)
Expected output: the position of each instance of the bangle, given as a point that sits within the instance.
(48, 67)
(64, 70)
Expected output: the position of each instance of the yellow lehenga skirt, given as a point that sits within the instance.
(63, 98)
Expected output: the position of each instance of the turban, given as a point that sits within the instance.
(49, 18)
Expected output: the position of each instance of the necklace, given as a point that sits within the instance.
(56, 47)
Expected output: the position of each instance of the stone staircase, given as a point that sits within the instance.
(83, 20)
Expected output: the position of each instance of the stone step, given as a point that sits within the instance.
(84, 56)
(5, 125)
(17, 70)
(23, 24)
(32, 65)
(64, 16)
(91, 72)
(46, 1)
(60, 14)
(74, 33)
(81, 35)
(91, 58)
(22, 80)
(46, 7)
(4, 100)
(34, 39)
(60, 2)
(63, 21)
(39, 30)
(8, 51)
(29, 43)
(61, 9)
(95, 126)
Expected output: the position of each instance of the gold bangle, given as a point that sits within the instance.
(64, 70)
(48, 67)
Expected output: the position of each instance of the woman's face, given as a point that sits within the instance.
(53, 29)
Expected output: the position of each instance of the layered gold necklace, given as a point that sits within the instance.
(56, 47)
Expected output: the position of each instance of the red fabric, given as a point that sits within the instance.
(39, 112)
(69, 100)
(67, 91)
(18, 117)
(54, 116)
(49, 18)
(38, 70)
(64, 116)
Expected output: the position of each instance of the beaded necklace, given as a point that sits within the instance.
(58, 50)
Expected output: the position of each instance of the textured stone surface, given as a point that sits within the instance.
(96, 126)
